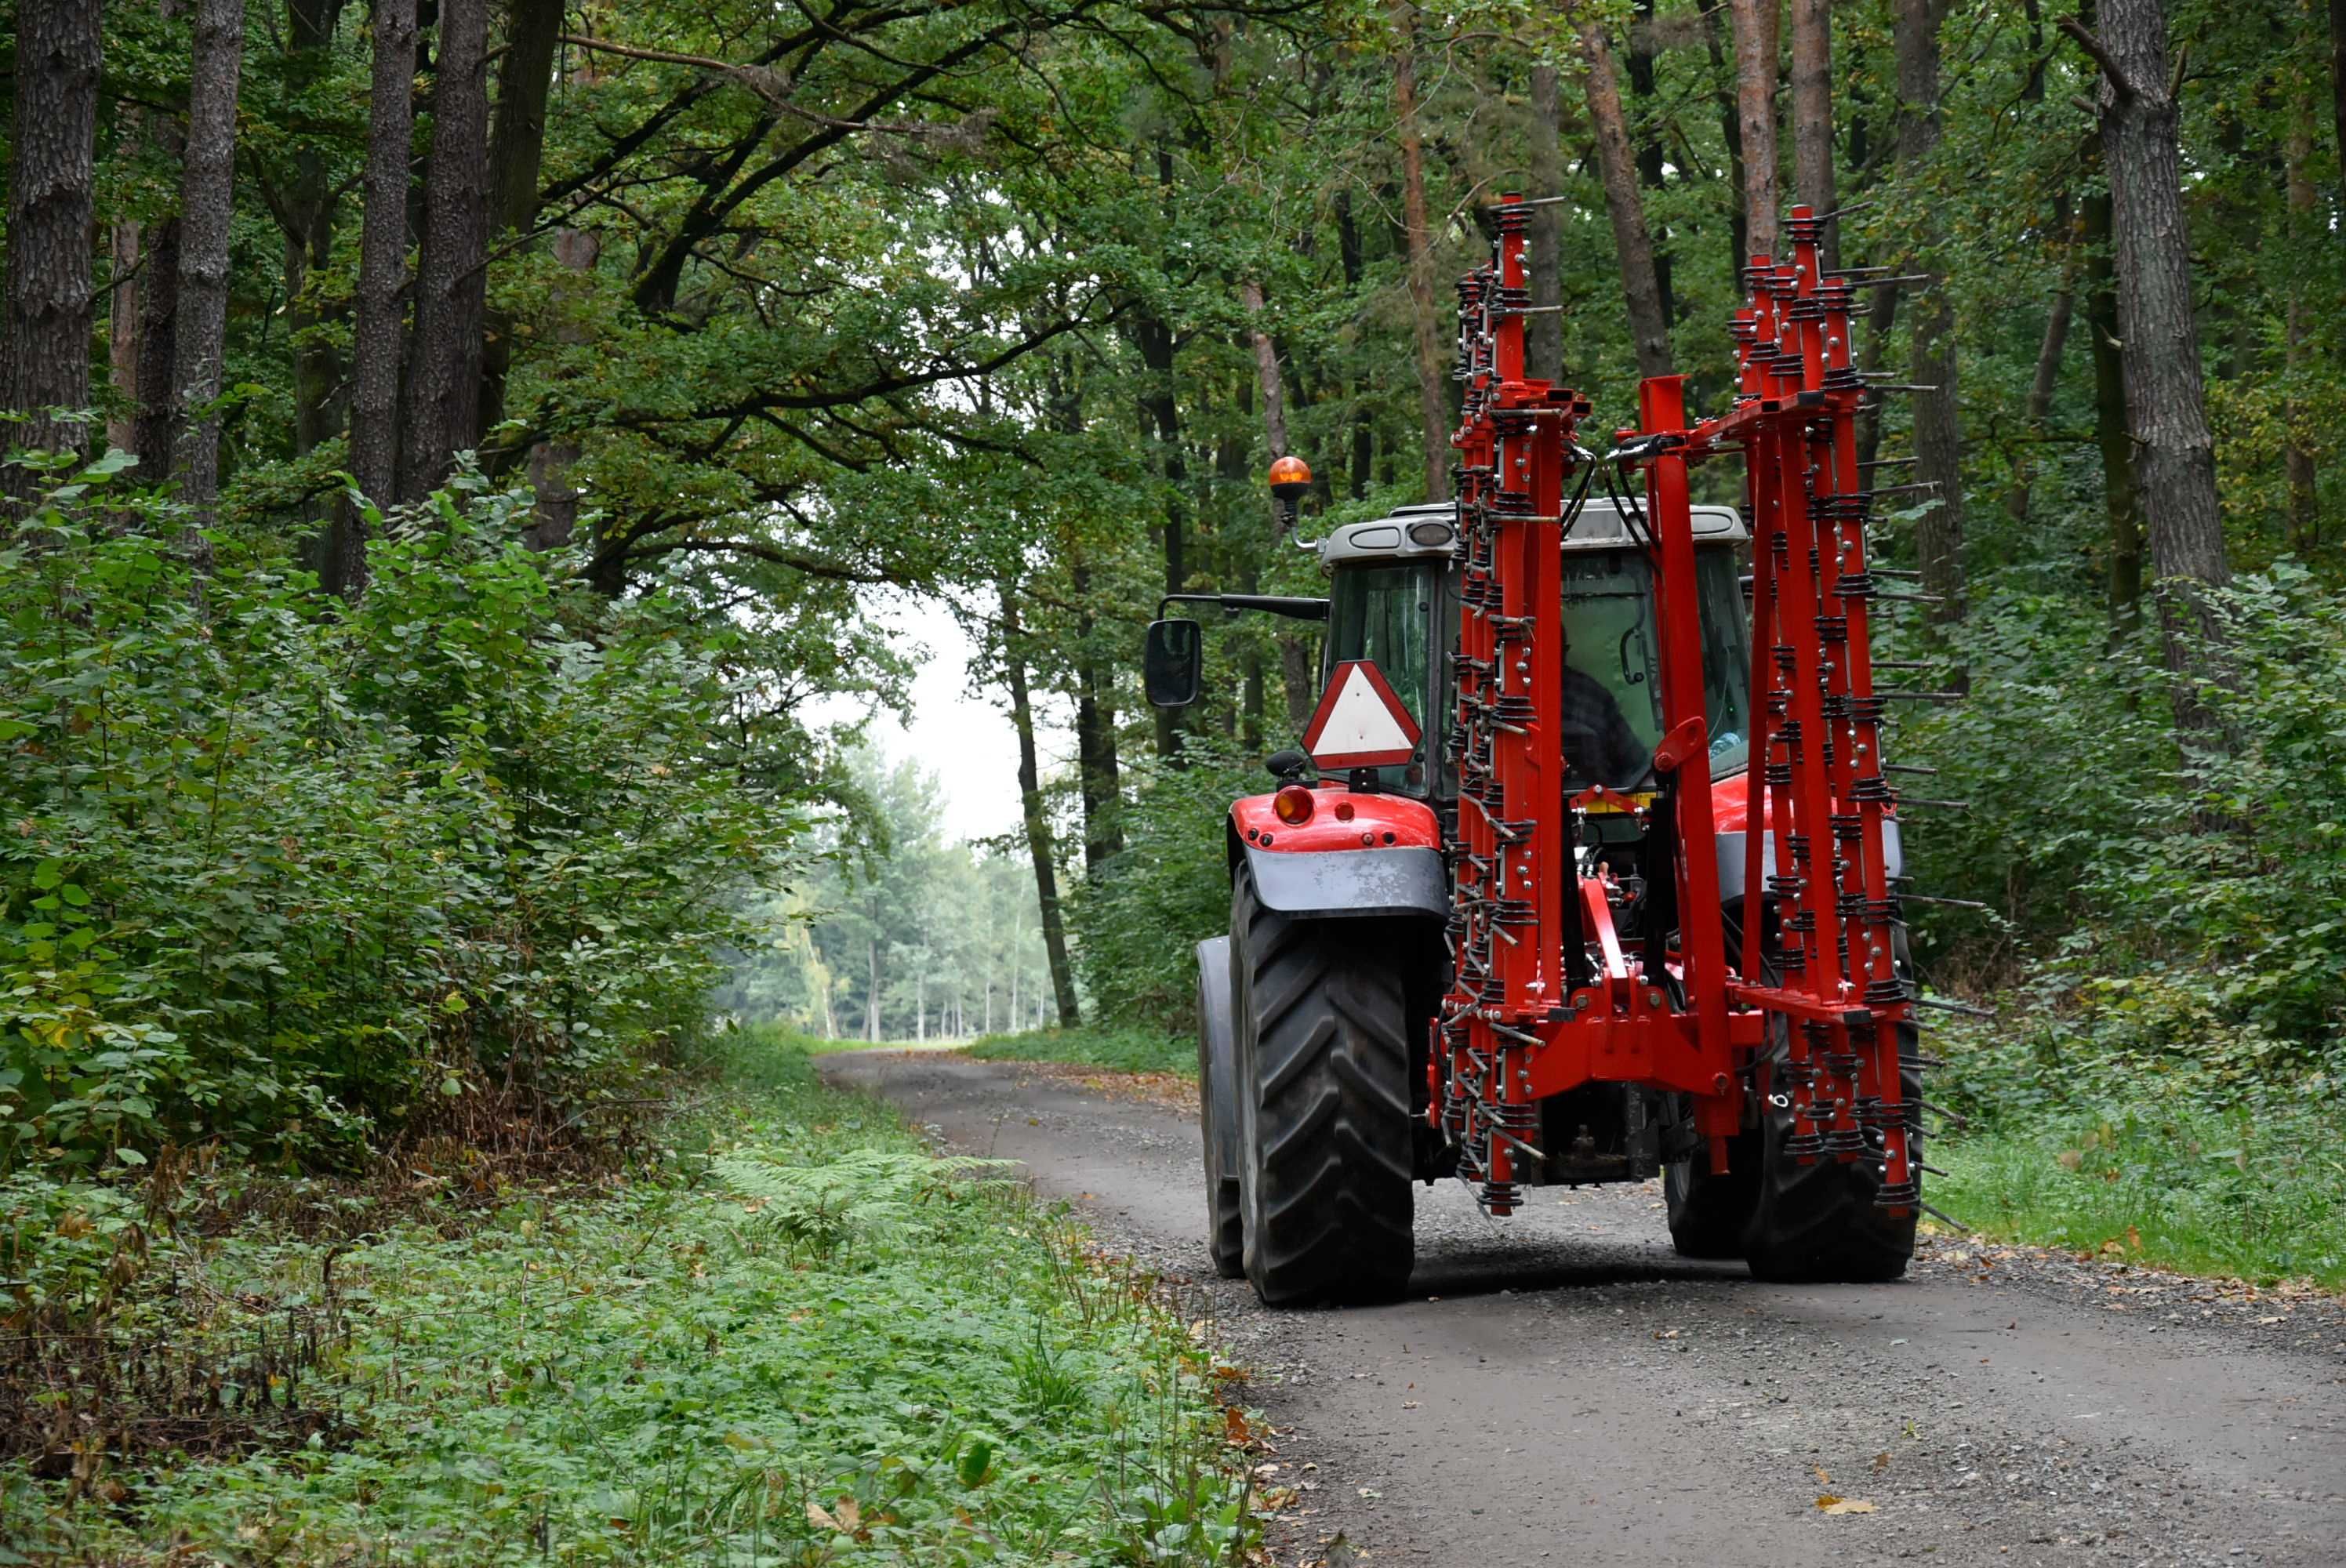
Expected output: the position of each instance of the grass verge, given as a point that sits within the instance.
(1120, 1049)
(797, 1337)
(2262, 1200)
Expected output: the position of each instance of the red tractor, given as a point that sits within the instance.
(1523, 929)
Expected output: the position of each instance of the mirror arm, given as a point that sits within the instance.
(1294, 608)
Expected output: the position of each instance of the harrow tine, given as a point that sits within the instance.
(1951, 904)
(1945, 1218)
(1916, 767)
(1940, 805)
(1896, 695)
(1941, 1004)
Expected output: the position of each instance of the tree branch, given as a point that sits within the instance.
(2120, 83)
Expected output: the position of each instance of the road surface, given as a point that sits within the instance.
(1562, 1389)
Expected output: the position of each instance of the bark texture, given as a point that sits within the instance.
(1756, 47)
(159, 328)
(1813, 181)
(382, 281)
(51, 186)
(207, 206)
(1625, 203)
(2298, 466)
(122, 332)
(2174, 451)
(516, 153)
(2121, 496)
(443, 400)
(1432, 365)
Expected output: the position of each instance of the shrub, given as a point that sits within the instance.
(283, 872)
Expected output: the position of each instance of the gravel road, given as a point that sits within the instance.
(1562, 1389)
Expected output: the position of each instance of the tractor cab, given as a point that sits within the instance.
(1393, 599)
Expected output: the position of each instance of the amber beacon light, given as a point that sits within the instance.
(1290, 478)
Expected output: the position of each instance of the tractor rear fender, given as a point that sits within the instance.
(1217, 1052)
(1335, 884)
(1356, 854)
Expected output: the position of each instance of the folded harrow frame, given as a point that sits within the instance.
(1802, 1016)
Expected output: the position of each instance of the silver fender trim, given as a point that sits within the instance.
(1332, 884)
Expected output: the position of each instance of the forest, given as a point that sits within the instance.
(454, 451)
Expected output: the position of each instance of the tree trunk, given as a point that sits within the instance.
(1633, 244)
(516, 154)
(2338, 89)
(1653, 160)
(2297, 454)
(1363, 432)
(1096, 758)
(122, 334)
(159, 337)
(207, 206)
(1272, 387)
(872, 996)
(444, 392)
(1544, 333)
(1812, 117)
(2175, 454)
(1755, 53)
(383, 283)
(1432, 366)
(1161, 414)
(1938, 425)
(2121, 496)
(309, 217)
(1038, 826)
(555, 510)
(51, 186)
(2041, 388)
(1730, 131)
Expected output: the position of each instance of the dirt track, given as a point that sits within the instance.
(1563, 1388)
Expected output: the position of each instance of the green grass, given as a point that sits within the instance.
(801, 1338)
(2262, 1200)
(1121, 1049)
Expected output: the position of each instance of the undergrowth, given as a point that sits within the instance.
(1135, 1049)
(790, 1335)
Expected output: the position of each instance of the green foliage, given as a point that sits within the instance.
(1137, 922)
(661, 1372)
(277, 872)
(1130, 1048)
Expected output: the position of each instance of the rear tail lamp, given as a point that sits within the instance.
(1293, 805)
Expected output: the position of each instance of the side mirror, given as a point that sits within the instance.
(1173, 665)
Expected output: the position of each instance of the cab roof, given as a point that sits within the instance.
(1428, 529)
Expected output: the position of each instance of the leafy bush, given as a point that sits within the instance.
(1137, 922)
(280, 872)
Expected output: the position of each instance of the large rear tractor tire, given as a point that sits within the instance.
(1818, 1224)
(1218, 1107)
(1710, 1211)
(1325, 1133)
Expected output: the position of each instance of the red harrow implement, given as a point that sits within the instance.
(1802, 1008)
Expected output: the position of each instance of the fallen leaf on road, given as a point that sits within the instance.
(1822, 1479)
(1847, 1505)
(1409, 1404)
(1370, 1491)
(1882, 1461)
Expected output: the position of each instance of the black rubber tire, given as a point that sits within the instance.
(1225, 1226)
(1709, 1213)
(1817, 1224)
(1325, 1140)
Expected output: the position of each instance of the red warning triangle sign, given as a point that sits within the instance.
(1360, 722)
